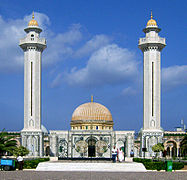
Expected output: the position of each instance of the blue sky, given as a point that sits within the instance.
(92, 48)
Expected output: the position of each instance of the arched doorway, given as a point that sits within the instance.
(168, 151)
(91, 147)
(171, 148)
(47, 151)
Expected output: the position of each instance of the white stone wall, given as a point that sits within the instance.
(125, 138)
(32, 121)
(151, 119)
(117, 138)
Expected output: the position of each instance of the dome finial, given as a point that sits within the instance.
(33, 15)
(33, 22)
(151, 15)
(91, 98)
(151, 22)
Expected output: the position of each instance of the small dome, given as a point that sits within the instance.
(33, 22)
(91, 111)
(151, 22)
(44, 130)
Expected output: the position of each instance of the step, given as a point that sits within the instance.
(104, 167)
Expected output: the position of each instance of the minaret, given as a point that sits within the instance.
(151, 47)
(33, 46)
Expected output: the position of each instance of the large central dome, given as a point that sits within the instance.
(91, 115)
(91, 111)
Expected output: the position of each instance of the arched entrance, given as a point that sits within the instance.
(171, 148)
(47, 151)
(91, 147)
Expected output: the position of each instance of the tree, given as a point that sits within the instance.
(7, 143)
(158, 148)
(183, 146)
(20, 151)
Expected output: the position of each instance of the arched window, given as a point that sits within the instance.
(32, 37)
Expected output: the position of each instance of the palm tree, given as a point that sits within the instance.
(158, 148)
(7, 143)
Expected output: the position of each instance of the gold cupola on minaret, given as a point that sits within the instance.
(151, 22)
(33, 22)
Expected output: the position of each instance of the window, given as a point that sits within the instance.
(152, 88)
(80, 127)
(31, 85)
(96, 127)
(86, 127)
(32, 37)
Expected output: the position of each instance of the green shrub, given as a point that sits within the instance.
(155, 165)
(141, 160)
(160, 165)
(178, 165)
(33, 163)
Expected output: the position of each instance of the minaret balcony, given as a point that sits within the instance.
(157, 40)
(33, 40)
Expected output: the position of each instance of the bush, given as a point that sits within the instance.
(160, 165)
(33, 163)
(141, 160)
(155, 165)
(178, 165)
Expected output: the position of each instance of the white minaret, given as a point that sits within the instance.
(151, 47)
(33, 46)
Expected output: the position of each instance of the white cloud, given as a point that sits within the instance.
(129, 91)
(60, 46)
(108, 65)
(174, 76)
(93, 44)
(57, 81)
(11, 31)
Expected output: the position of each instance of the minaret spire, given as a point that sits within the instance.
(33, 15)
(151, 15)
(91, 98)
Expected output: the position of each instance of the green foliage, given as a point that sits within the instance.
(7, 143)
(155, 165)
(20, 151)
(158, 147)
(160, 165)
(178, 165)
(33, 163)
(141, 160)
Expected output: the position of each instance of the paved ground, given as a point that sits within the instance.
(34, 175)
(90, 166)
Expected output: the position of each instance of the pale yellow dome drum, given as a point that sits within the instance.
(91, 115)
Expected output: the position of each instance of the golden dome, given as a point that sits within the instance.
(151, 22)
(91, 111)
(33, 22)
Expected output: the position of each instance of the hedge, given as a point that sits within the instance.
(33, 163)
(141, 160)
(160, 165)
